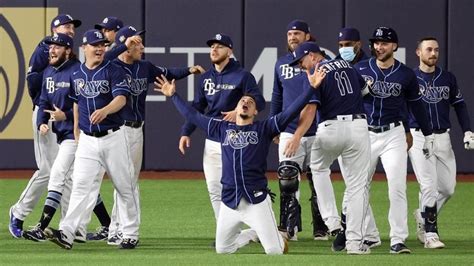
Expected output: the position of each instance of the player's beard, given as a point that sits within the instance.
(244, 116)
(218, 60)
(430, 62)
(385, 57)
(59, 60)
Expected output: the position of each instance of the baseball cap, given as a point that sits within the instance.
(93, 37)
(110, 23)
(298, 25)
(62, 19)
(222, 39)
(349, 34)
(304, 49)
(60, 39)
(385, 34)
(126, 32)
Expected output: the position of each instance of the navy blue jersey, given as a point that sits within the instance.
(360, 57)
(244, 149)
(288, 84)
(55, 91)
(440, 91)
(340, 92)
(389, 91)
(220, 91)
(38, 62)
(141, 74)
(95, 89)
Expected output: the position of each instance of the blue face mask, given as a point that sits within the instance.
(347, 53)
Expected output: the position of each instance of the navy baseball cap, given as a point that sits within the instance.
(110, 23)
(298, 25)
(125, 32)
(222, 39)
(304, 49)
(384, 34)
(62, 19)
(60, 39)
(349, 34)
(93, 37)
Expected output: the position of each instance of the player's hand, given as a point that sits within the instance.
(468, 140)
(56, 114)
(197, 69)
(98, 116)
(409, 140)
(317, 77)
(428, 146)
(229, 116)
(292, 146)
(164, 86)
(184, 142)
(132, 41)
(43, 129)
(276, 139)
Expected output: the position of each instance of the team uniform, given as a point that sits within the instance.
(245, 194)
(288, 84)
(55, 92)
(141, 74)
(437, 174)
(220, 92)
(391, 90)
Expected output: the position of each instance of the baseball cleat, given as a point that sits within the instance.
(128, 243)
(59, 238)
(35, 234)
(372, 244)
(80, 238)
(102, 233)
(321, 235)
(15, 226)
(420, 226)
(115, 240)
(339, 244)
(433, 243)
(356, 248)
(399, 248)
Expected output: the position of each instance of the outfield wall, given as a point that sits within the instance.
(176, 35)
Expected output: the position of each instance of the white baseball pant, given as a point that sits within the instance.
(258, 217)
(113, 153)
(212, 166)
(46, 149)
(349, 139)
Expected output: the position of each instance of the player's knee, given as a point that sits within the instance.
(225, 249)
(274, 251)
(447, 191)
(288, 175)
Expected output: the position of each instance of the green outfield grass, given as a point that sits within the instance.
(178, 228)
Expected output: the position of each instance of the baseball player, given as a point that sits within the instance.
(351, 51)
(109, 27)
(245, 144)
(437, 174)
(294, 145)
(220, 89)
(393, 86)
(99, 90)
(342, 132)
(45, 145)
(55, 105)
(141, 73)
(350, 46)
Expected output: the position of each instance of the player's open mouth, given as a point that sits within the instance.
(245, 108)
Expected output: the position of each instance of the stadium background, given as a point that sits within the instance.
(176, 35)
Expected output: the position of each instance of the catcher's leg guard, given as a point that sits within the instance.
(319, 226)
(290, 209)
(431, 219)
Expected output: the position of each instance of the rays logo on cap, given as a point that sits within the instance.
(379, 32)
(122, 38)
(84, 39)
(105, 20)
(340, 34)
(56, 22)
(218, 37)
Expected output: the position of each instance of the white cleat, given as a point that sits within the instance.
(433, 243)
(420, 226)
(357, 249)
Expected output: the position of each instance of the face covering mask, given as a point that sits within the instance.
(347, 53)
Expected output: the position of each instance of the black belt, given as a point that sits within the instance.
(435, 131)
(134, 124)
(100, 134)
(348, 117)
(380, 129)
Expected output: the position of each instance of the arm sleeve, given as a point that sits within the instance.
(276, 104)
(200, 104)
(250, 87)
(463, 116)
(421, 116)
(43, 117)
(34, 77)
(115, 52)
(169, 73)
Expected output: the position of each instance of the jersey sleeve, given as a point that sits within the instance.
(43, 117)
(119, 81)
(34, 77)
(115, 52)
(169, 73)
(277, 93)
(200, 104)
(457, 101)
(412, 92)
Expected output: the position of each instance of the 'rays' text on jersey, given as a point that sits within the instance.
(240, 139)
(211, 88)
(91, 89)
(383, 89)
(434, 94)
(137, 86)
